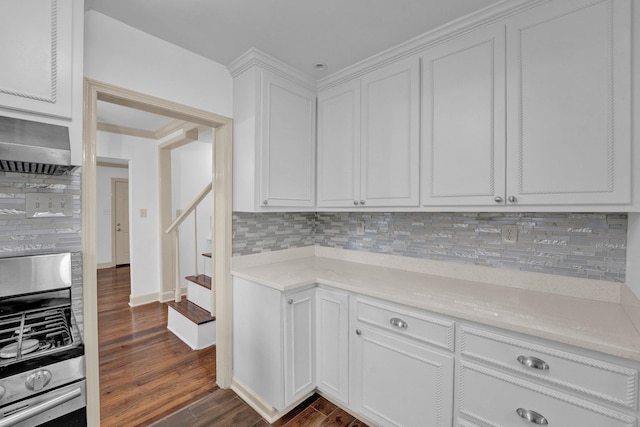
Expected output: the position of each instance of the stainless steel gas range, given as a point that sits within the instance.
(42, 372)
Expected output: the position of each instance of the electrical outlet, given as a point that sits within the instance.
(510, 234)
(360, 228)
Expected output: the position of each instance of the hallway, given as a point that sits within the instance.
(146, 372)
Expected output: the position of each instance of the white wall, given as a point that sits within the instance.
(191, 172)
(118, 54)
(103, 209)
(142, 155)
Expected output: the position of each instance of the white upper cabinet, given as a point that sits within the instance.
(390, 168)
(368, 139)
(568, 97)
(274, 112)
(288, 143)
(339, 146)
(463, 120)
(36, 52)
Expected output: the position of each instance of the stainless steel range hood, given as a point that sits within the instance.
(32, 147)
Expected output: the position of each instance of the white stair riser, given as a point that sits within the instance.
(195, 336)
(199, 295)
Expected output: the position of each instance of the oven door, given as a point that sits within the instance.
(45, 407)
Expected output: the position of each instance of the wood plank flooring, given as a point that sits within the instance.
(148, 375)
(146, 372)
(223, 408)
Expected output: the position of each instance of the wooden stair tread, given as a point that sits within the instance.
(191, 311)
(208, 254)
(200, 279)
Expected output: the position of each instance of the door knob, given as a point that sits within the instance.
(118, 229)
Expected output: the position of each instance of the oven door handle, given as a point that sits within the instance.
(40, 408)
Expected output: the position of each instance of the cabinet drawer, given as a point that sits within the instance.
(602, 380)
(406, 322)
(493, 398)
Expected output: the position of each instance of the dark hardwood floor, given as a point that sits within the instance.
(147, 374)
(223, 408)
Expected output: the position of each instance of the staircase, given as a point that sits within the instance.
(191, 318)
(188, 319)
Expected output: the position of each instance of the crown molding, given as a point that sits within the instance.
(483, 17)
(254, 57)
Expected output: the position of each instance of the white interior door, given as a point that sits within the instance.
(121, 221)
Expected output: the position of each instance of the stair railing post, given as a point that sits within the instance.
(178, 295)
(195, 238)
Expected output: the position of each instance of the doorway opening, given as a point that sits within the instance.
(220, 225)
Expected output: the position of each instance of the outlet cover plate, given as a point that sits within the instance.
(510, 234)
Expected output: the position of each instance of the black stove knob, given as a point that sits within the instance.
(38, 380)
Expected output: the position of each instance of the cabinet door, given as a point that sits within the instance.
(288, 143)
(568, 97)
(339, 146)
(332, 340)
(36, 47)
(463, 108)
(390, 135)
(399, 383)
(299, 345)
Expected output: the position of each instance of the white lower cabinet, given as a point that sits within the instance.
(393, 365)
(300, 345)
(498, 399)
(332, 338)
(399, 383)
(397, 378)
(273, 342)
(504, 379)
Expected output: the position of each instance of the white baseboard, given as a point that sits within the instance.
(102, 265)
(136, 300)
(169, 295)
(266, 411)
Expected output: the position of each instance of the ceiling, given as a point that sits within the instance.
(300, 33)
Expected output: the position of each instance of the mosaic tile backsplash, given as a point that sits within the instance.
(28, 236)
(20, 235)
(262, 232)
(580, 245)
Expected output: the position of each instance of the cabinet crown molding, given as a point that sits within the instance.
(452, 29)
(254, 57)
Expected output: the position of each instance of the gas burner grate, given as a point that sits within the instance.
(32, 333)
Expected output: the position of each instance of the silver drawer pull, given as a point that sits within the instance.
(533, 362)
(532, 416)
(398, 323)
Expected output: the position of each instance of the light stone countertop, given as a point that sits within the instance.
(600, 325)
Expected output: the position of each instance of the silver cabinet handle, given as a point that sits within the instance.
(532, 416)
(362, 202)
(498, 199)
(355, 202)
(358, 332)
(290, 300)
(533, 362)
(265, 202)
(398, 323)
(40, 408)
(512, 199)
